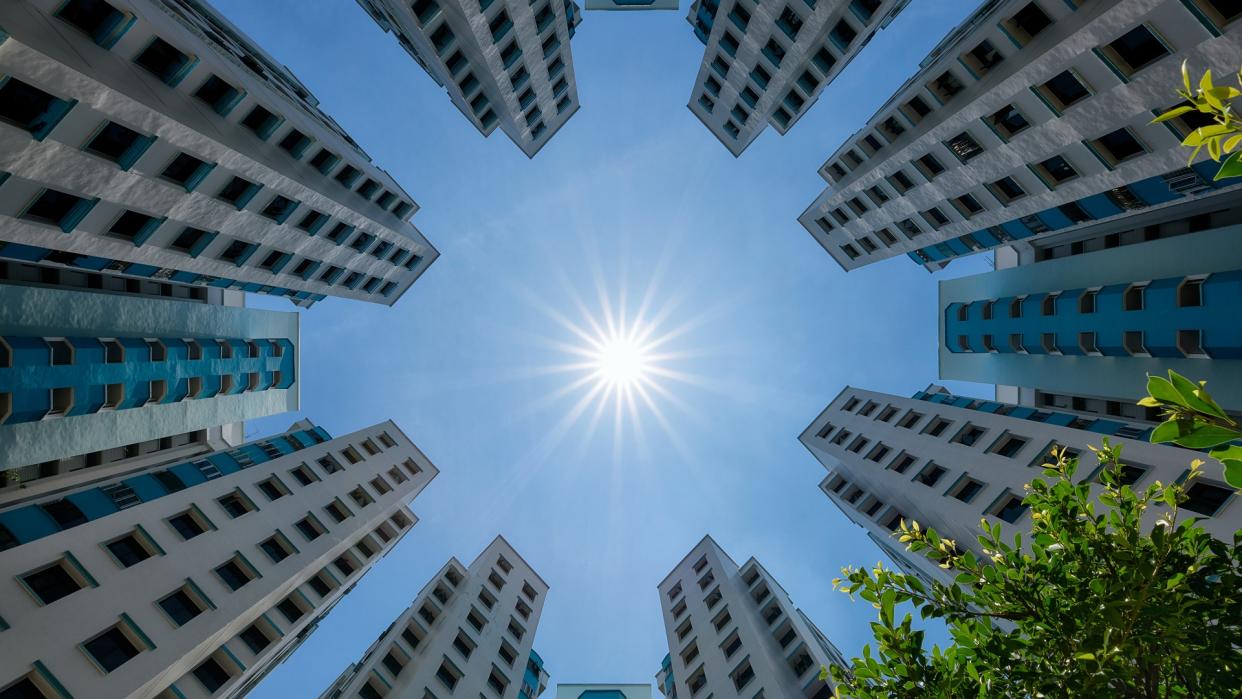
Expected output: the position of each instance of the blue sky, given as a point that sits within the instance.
(633, 204)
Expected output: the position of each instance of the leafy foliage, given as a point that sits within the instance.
(1112, 594)
(1194, 420)
(1221, 139)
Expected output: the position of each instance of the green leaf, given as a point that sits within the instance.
(1160, 389)
(1166, 431)
(1232, 167)
(1233, 472)
(1205, 436)
(1085, 656)
(1196, 398)
(1172, 114)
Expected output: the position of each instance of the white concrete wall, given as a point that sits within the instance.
(56, 58)
(422, 662)
(50, 634)
(1067, 43)
(771, 663)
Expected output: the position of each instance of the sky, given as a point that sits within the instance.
(632, 211)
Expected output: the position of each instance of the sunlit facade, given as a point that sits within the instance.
(151, 140)
(767, 63)
(947, 461)
(505, 65)
(1079, 331)
(469, 632)
(733, 631)
(94, 382)
(1030, 119)
(193, 579)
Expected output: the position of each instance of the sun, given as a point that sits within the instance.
(621, 361)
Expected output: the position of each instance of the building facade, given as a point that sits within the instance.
(631, 4)
(1079, 332)
(946, 461)
(85, 377)
(469, 632)
(152, 140)
(195, 580)
(1031, 119)
(603, 691)
(504, 64)
(766, 62)
(733, 632)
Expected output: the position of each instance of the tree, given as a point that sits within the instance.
(1092, 603)
(1194, 420)
(1223, 138)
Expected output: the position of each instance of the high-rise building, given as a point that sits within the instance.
(768, 63)
(1077, 333)
(946, 461)
(631, 4)
(469, 632)
(152, 140)
(1031, 119)
(734, 632)
(603, 691)
(90, 382)
(504, 64)
(194, 580)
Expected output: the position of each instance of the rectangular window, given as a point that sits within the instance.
(1027, 23)
(118, 144)
(1118, 146)
(56, 581)
(218, 94)
(114, 647)
(59, 209)
(235, 573)
(183, 605)
(1064, 90)
(164, 61)
(1135, 50)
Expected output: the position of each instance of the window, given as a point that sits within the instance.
(902, 463)
(30, 108)
(930, 475)
(464, 644)
(235, 573)
(1132, 340)
(99, 20)
(182, 605)
(936, 218)
(290, 609)
(261, 122)
(273, 488)
(1205, 498)
(1009, 508)
(967, 205)
(1088, 343)
(983, 58)
(448, 674)
(1048, 341)
(742, 674)
(1008, 122)
(1009, 445)
(1118, 146)
(1190, 343)
(1007, 190)
(55, 581)
(235, 504)
(1135, 50)
(1133, 298)
(130, 549)
(1064, 90)
(164, 61)
(1027, 23)
(901, 181)
(774, 52)
(969, 435)
(255, 638)
(929, 166)
(1056, 170)
(937, 426)
(967, 489)
(842, 34)
(58, 209)
(113, 648)
(212, 674)
(1190, 293)
(910, 419)
(188, 524)
(218, 94)
(117, 143)
(946, 86)
(277, 547)
(964, 146)
(238, 192)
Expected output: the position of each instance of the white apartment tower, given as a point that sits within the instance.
(734, 632)
(152, 140)
(505, 64)
(767, 62)
(946, 461)
(468, 633)
(1031, 119)
(90, 380)
(194, 578)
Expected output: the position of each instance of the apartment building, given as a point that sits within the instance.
(1079, 332)
(767, 62)
(946, 461)
(468, 633)
(631, 5)
(1030, 119)
(504, 64)
(151, 140)
(603, 691)
(196, 579)
(86, 378)
(733, 632)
